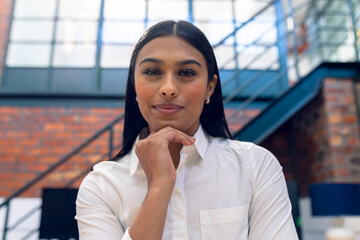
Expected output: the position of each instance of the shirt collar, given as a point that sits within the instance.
(201, 145)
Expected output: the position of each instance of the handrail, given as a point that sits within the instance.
(108, 127)
(63, 160)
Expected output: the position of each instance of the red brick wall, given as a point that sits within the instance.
(34, 138)
(5, 9)
(321, 142)
(343, 127)
(279, 144)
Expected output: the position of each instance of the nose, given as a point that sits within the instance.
(168, 87)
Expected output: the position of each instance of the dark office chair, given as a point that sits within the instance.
(57, 214)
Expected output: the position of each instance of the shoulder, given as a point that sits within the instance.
(243, 149)
(106, 174)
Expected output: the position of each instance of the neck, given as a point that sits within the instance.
(174, 149)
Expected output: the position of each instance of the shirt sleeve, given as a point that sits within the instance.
(270, 211)
(95, 218)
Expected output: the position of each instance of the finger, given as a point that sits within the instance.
(174, 135)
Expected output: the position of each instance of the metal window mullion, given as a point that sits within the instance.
(191, 10)
(99, 47)
(146, 18)
(356, 39)
(52, 49)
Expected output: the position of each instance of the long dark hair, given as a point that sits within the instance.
(212, 118)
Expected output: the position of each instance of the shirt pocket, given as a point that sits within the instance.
(225, 223)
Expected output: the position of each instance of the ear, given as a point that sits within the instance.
(211, 86)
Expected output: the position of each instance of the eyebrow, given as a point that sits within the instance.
(155, 60)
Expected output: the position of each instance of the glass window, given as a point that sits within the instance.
(69, 30)
(257, 32)
(22, 30)
(244, 10)
(168, 9)
(124, 9)
(225, 56)
(116, 56)
(30, 55)
(35, 8)
(74, 55)
(257, 57)
(80, 9)
(216, 31)
(207, 10)
(122, 32)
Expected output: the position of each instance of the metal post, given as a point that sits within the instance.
(52, 51)
(353, 21)
(98, 47)
(6, 223)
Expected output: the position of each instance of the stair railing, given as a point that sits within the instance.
(108, 128)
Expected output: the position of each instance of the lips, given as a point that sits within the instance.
(168, 108)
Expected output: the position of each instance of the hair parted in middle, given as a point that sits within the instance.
(212, 118)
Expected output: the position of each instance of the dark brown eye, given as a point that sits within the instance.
(151, 71)
(187, 73)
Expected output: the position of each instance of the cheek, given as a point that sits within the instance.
(195, 93)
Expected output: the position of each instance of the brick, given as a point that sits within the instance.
(336, 141)
(84, 134)
(53, 143)
(7, 159)
(39, 151)
(27, 159)
(54, 127)
(12, 150)
(63, 135)
(91, 119)
(352, 141)
(77, 127)
(335, 118)
(69, 119)
(16, 134)
(62, 151)
(8, 142)
(42, 135)
(351, 119)
(39, 168)
(54, 110)
(102, 111)
(9, 110)
(348, 99)
(78, 110)
(32, 110)
(29, 142)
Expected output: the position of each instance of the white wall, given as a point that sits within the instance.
(18, 208)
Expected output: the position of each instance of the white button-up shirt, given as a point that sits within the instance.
(225, 189)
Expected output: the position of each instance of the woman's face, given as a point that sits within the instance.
(171, 84)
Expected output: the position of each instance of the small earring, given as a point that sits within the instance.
(207, 101)
(136, 99)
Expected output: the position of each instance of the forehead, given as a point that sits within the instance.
(170, 48)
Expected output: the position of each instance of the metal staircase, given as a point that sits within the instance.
(303, 35)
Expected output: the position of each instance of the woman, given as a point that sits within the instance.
(179, 175)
